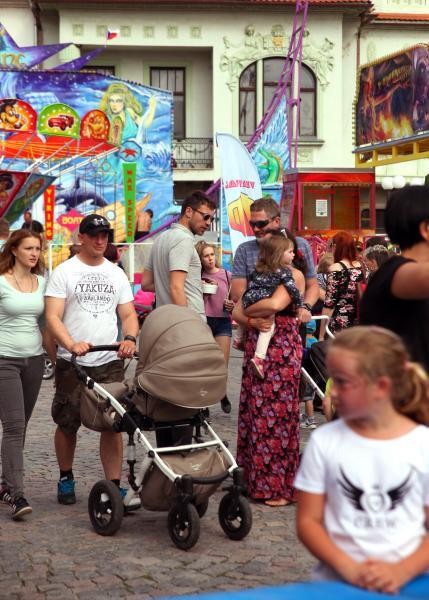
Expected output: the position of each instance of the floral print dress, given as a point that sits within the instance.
(268, 418)
(342, 296)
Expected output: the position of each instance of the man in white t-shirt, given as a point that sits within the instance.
(84, 296)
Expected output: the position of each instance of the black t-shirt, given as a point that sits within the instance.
(408, 318)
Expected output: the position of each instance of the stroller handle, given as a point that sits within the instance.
(102, 348)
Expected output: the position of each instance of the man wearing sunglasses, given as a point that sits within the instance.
(264, 218)
(173, 269)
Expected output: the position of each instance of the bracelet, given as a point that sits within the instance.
(130, 338)
(248, 322)
(307, 306)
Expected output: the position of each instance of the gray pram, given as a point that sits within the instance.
(180, 373)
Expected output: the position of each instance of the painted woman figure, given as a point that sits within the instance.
(125, 113)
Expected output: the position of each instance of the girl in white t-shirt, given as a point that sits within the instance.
(363, 503)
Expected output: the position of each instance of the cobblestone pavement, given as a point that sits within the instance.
(55, 553)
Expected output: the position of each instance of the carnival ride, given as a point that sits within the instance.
(87, 141)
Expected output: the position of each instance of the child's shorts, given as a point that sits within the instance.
(220, 326)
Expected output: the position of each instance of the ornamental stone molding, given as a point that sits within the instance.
(255, 45)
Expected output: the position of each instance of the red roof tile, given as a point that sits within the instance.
(402, 17)
(350, 3)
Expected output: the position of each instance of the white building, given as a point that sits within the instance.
(222, 59)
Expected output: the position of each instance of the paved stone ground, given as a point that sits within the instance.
(55, 553)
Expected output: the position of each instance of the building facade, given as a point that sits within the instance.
(221, 60)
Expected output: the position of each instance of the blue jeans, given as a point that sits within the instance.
(20, 381)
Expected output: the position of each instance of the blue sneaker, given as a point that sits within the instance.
(66, 493)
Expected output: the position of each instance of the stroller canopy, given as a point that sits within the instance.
(179, 360)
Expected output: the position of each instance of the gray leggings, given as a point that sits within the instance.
(20, 380)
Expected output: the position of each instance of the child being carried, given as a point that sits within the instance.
(274, 268)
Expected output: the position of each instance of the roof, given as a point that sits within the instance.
(410, 17)
(214, 3)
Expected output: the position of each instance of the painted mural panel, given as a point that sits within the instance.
(393, 97)
(80, 113)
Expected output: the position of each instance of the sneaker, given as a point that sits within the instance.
(225, 405)
(5, 495)
(308, 423)
(66, 493)
(134, 502)
(238, 344)
(258, 366)
(20, 508)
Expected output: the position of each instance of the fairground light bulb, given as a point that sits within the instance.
(387, 183)
(399, 181)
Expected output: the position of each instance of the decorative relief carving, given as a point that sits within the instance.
(195, 32)
(125, 31)
(305, 155)
(149, 31)
(172, 31)
(77, 29)
(254, 45)
(319, 57)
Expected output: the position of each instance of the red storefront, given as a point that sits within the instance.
(329, 200)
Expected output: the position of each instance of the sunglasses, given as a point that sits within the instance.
(259, 224)
(208, 218)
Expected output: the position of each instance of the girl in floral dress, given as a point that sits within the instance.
(268, 419)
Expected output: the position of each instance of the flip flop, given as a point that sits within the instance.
(275, 502)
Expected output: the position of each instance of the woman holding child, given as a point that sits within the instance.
(268, 420)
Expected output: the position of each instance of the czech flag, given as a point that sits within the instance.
(111, 34)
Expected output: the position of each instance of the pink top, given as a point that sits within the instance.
(213, 303)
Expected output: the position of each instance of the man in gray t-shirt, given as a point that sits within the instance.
(173, 270)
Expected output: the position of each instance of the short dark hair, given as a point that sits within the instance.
(406, 209)
(195, 200)
(149, 211)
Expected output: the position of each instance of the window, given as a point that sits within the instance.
(103, 70)
(248, 101)
(172, 79)
(271, 71)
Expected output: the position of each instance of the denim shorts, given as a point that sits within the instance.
(220, 326)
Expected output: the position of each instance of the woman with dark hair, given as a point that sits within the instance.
(397, 295)
(342, 291)
(22, 288)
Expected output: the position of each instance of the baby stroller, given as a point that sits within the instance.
(313, 367)
(180, 373)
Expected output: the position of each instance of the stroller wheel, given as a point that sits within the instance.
(235, 516)
(184, 525)
(105, 507)
(202, 508)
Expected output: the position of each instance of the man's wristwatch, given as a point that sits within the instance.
(131, 338)
(307, 306)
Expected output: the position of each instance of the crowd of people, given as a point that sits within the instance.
(362, 483)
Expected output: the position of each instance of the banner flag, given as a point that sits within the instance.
(49, 201)
(129, 177)
(240, 186)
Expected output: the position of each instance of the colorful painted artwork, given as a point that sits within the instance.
(78, 113)
(270, 155)
(10, 184)
(393, 97)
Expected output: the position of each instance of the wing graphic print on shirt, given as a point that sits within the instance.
(377, 500)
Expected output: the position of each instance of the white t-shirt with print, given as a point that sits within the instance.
(92, 294)
(376, 490)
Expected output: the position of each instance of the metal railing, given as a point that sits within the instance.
(193, 153)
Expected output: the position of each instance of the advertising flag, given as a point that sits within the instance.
(240, 187)
(49, 198)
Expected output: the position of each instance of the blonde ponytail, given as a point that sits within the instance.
(381, 352)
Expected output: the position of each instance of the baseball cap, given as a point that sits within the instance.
(93, 224)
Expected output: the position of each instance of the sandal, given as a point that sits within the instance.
(276, 502)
